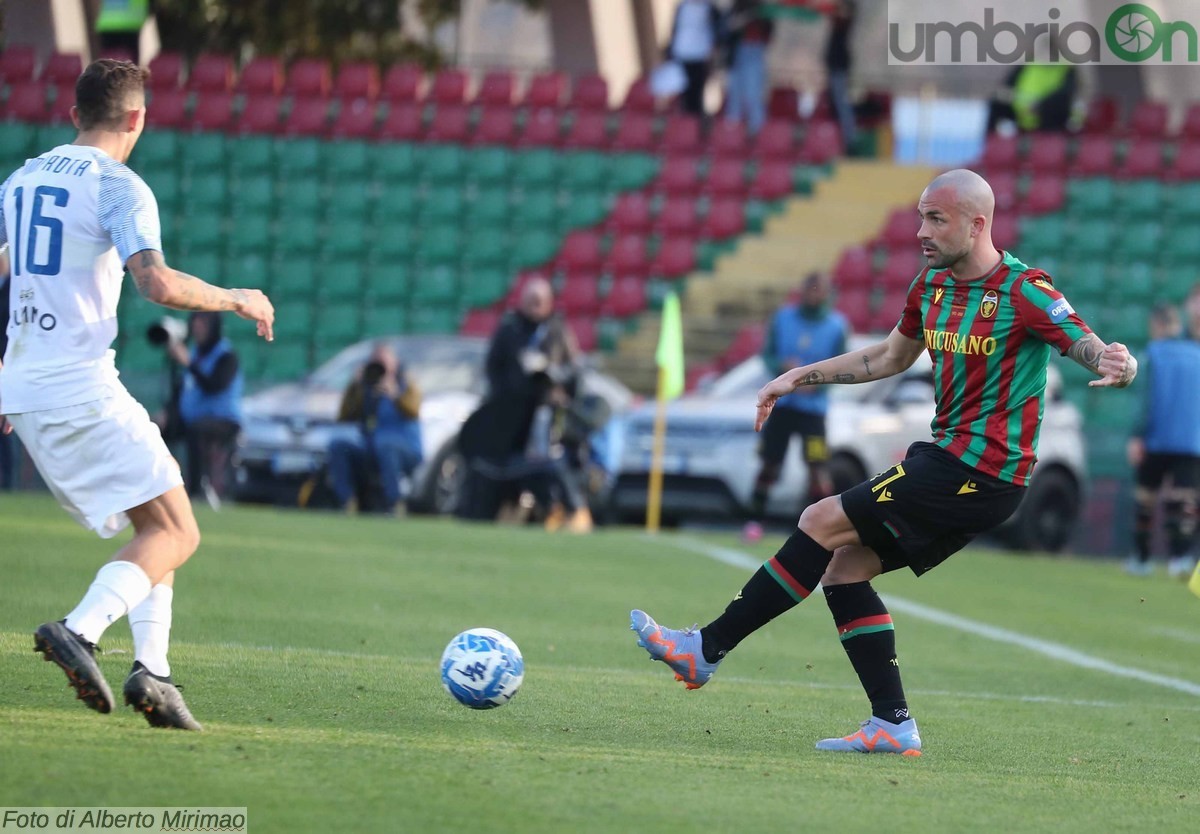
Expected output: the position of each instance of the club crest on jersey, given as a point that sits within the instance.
(989, 303)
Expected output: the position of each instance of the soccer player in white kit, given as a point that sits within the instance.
(72, 219)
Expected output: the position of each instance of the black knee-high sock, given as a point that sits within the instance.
(779, 585)
(869, 639)
(1143, 522)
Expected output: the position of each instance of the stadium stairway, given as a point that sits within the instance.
(748, 283)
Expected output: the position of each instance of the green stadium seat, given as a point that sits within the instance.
(1131, 284)
(489, 166)
(299, 198)
(426, 319)
(206, 192)
(534, 247)
(1083, 279)
(443, 165)
(582, 209)
(392, 163)
(484, 286)
(1141, 198)
(293, 319)
(442, 207)
(294, 277)
(536, 169)
(393, 248)
(253, 193)
(51, 136)
(252, 156)
(439, 246)
(204, 153)
(632, 171)
(434, 285)
(297, 236)
(1042, 235)
(287, 358)
(200, 233)
(1183, 200)
(349, 200)
(347, 159)
(536, 209)
(1090, 236)
(299, 158)
(486, 248)
(1176, 284)
(585, 171)
(388, 282)
(1181, 248)
(250, 269)
(165, 185)
(249, 234)
(337, 325)
(1091, 197)
(205, 265)
(155, 149)
(489, 210)
(340, 282)
(345, 240)
(384, 319)
(757, 212)
(396, 203)
(1138, 240)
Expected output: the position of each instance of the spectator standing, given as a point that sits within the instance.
(749, 32)
(694, 38)
(838, 60)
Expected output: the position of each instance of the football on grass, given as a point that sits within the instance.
(482, 668)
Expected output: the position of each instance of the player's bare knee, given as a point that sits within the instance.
(822, 519)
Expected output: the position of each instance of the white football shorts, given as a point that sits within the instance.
(99, 458)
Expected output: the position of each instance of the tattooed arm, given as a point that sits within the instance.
(169, 287)
(1114, 364)
(893, 355)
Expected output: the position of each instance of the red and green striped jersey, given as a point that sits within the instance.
(990, 342)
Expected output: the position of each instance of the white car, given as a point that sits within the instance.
(711, 451)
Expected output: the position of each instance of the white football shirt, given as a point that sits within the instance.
(72, 218)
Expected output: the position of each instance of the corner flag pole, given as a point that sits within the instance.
(669, 358)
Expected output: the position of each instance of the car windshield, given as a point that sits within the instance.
(437, 364)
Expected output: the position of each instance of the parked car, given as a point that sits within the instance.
(710, 459)
(288, 428)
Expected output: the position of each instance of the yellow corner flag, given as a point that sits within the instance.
(1194, 583)
(669, 358)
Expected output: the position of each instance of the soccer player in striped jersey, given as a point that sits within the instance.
(989, 323)
(76, 217)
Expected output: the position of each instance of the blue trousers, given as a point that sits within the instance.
(392, 456)
(748, 87)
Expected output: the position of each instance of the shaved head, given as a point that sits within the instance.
(956, 223)
(537, 300)
(968, 191)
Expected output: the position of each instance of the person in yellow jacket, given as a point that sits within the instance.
(1036, 97)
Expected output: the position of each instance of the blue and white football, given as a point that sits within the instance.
(482, 668)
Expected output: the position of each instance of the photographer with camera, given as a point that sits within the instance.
(209, 403)
(386, 405)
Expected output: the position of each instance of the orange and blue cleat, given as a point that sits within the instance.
(679, 649)
(878, 736)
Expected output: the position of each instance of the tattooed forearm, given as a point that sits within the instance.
(843, 378)
(171, 288)
(812, 378)
(867, 363)
(1086, 351)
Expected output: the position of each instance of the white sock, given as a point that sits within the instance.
(117, 589)
(150, 623)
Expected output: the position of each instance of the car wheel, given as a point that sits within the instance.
(444, 482)
(845, 471)
(1047, 516)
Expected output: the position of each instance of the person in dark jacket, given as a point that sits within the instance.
(838, 60)
(695, 35)
(210, 404)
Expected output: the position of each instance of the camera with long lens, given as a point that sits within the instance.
(166, 331)
(373, 373)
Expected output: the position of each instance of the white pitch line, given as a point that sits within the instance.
(1057, 651)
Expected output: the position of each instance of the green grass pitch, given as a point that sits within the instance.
(308, 644)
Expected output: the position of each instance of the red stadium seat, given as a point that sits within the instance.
(62, 68)
(853, 269)
(1005, 232)
(822, 142)
(1004, 187)
(357, 119)
(1191, 123)
(589, 92)
(213, 111)
(167, 108)
(545, 91)
(784, 104)
(776, 141)
(855, 304)
(403, 123)
(1149, 119)
(678, 177)
(676, 256)
(681, 135)
(27, 103)
(678, 218)
(480, 323)
(635, 132)
(772, 181)
(699, 373)
(585, 333)
(62, 97)
(1001, 153)
(626, 297)
(628, 257)
(588, 130)
(356, 80)
(1047, 193)
(309, 117)
(1047, 153)
(580, 295)
(449, 87)
(401, 83)
(451, 123)
(1101, 115)
(262, 76)
(580, 252)
(497, 126)
(211, 74)
(725, 219)
(1186, 166)
(631, 214)
(726, 178)
(166, 71)
(900, 230)
(261, 114)
(746, 342)
(639, 99)
(542, 128)
(899, 270)
(17, 64)
(308, 77)
(496, 89)
(1143, 158)
(728, 140)
(1095, 156)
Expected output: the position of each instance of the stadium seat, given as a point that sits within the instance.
(678, 177)
(202, 234)
(451, 123)
(308, 117)
(588, 130)
(545, 91)
(678, 217)
(1047, 193)
(728, 140)
(583, 209)
(627, 257)
(62, 98)
(404, 122)
(489, 248)
(18, 64)
(726, 219)
(249, 234)
(1149, 120)
(585, 171)
(392, 163)
(853, 269)
(676, 256)
(262, 76)
(776, 141)
(633, 170)
(385, 319)
(783, 104)
(1190, 129)
(17, 143)
(308, 78)
(1143, 158)
(536, 209)
(356, 80)
(822, 143)
(444, 165)
(543, 127)
(1047, 154)
(584, 330)
(442, 207)
(1186, 165)
(497, 126)
(391, 251)
(1141, 198)
(355, 119)
(745, 343)
(1004, 187)
(489, 210)
(1005, 231)
(337, 324)
(255, 155)
(341, 281)
(1001, 153)
(898, 272)
(726, 178)
(401, 84)
(579, 295)
(207, 192)
(485, 285)
(261, 114)
(167, 108)
(348, 199)
(436, 284)
(211, 74)
(630, 214)
(62, 68)
(253, 193)
(639, 98)
(1040, 236)
(27, 102)
(489, 166)
(772, 181)
(213, 111)
(681, 136)
(635, 132)
(1091, 197)
(626, 297)
(300, 157)
(1095, 156)
(534, 247)
(441, 245)
(449, 87)
(203, 152)
(481, 323)
(1090, 236)
(1101, 116)
(496, 90)
(900, 229)
(536, 169)
(588, 92)
(580, 252)
(166, 71)
(855, 304)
